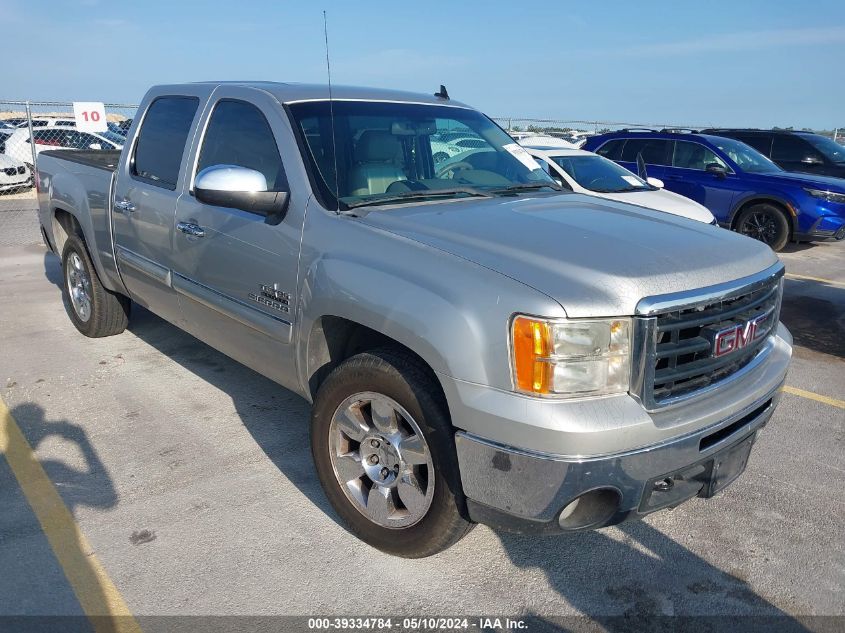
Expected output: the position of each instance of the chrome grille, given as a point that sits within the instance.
(678, 341)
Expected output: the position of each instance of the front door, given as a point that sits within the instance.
(689, 177)
(145, 197)
(236, 271)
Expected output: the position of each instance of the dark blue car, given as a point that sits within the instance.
(743, 189)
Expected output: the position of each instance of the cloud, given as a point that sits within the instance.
(730, 42)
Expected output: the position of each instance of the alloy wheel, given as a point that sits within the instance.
(381, 460)
(79, 287)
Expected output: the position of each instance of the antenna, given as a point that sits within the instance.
(331, 112)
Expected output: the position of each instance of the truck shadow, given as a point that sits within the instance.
(276, 418)
(642, 580)
(40, 547)
(814, 312)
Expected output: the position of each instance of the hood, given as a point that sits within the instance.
(828, 183)
(8, 161)
(665, 201)
(595, 257)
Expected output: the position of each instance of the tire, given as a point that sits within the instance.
(765, 222)
(94, 311)
(398, 522)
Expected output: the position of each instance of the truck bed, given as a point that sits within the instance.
(100, 158)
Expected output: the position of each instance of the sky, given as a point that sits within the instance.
(738, 63)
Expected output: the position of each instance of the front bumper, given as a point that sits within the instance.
(526, 492)
(523, 461)
(18, 184)
(826, 227)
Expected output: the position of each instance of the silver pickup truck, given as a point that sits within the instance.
(478, 345)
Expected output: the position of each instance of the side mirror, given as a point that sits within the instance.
(239, 188)
(655, 182)
(716, 169)
(812, 160)
(95, 146)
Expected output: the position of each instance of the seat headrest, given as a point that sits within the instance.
(377, 146)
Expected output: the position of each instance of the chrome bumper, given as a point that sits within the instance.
(525, 491)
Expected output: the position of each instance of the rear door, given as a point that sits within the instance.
(687, 175)
(146, 191)
(237, 280)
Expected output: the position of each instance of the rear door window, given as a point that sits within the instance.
(761, 142)
(655, 151)
(161, 141)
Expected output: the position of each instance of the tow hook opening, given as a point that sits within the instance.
(589, 510)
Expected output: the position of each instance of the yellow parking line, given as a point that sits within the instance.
(821, 280)
(815, 396)
(99, 598)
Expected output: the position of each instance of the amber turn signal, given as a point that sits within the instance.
(531, 349)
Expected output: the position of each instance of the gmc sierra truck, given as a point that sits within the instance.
(478, 345)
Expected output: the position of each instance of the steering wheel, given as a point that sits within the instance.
(452, 167)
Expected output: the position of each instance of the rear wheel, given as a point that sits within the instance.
(384, 450)
(94, 310)
(766, 223)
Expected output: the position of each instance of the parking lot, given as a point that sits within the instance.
(185, 486)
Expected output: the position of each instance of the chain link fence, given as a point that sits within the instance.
(30, 127)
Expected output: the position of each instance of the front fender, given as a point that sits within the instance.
(453, 313)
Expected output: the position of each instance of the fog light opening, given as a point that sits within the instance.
(591, 509)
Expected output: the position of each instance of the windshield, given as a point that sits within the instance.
(827, 146)
(599, 174)
(395, 152)
(746, 157)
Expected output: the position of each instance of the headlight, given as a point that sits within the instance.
(570, 358)
(830, 196)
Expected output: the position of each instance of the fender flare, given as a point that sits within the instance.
(763, 198)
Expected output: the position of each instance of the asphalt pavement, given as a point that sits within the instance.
(190, 481)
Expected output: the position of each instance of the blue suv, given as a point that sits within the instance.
(744, 190)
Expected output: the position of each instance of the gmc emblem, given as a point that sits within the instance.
(740, 336)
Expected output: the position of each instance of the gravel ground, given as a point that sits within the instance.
(191, 477)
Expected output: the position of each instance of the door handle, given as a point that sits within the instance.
(193, 230)
(124, 204)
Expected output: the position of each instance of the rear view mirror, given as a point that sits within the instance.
(95, 146)
(716, 169)
(655, 182)
(239, 188)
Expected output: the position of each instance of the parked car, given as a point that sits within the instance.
(17, 144)
(744, 190)
(585, 172)
(804, 152)
(478, 345)
(544, 140)
(14, 175)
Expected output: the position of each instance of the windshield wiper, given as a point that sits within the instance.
(529, 186)
(419, 194)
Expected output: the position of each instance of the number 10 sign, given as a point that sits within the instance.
(90, 116)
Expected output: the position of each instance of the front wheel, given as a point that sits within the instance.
(766, 223)
(384, 450)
